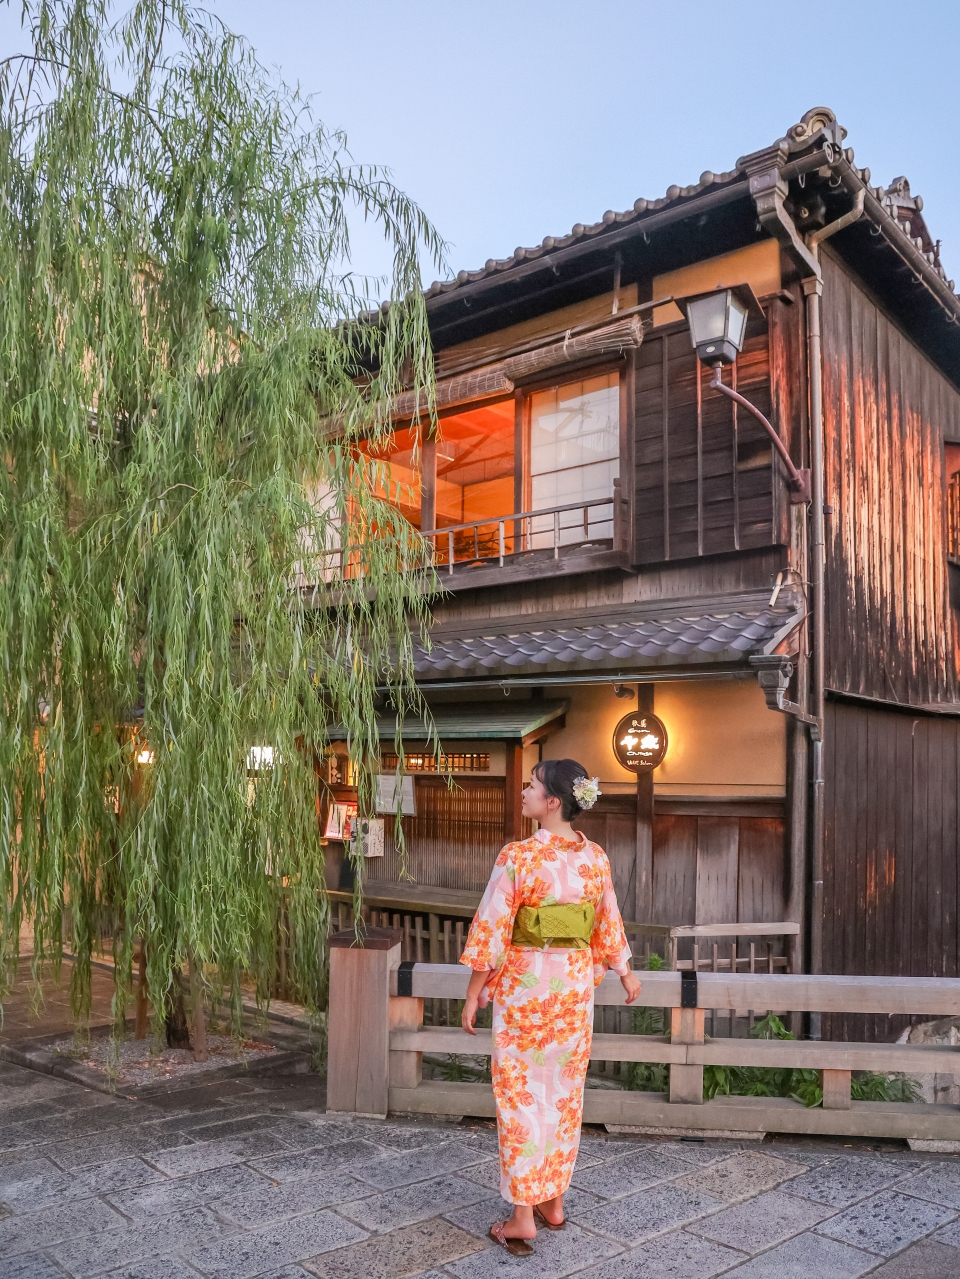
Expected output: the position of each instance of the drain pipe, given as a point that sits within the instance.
(813, 289)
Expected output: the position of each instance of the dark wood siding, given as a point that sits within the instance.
(704, 474)
(454, 839)
(887, 412)
(717, 870)
(891, 846)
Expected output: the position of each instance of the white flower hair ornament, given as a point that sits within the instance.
(586, 791)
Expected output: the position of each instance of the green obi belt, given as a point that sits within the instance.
(569, 926)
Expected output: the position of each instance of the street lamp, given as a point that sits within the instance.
(718, 321)
(718, 325)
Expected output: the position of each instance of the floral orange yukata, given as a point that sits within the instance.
(543, 1006)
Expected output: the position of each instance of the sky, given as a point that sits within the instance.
(510, 121)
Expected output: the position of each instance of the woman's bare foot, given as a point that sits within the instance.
(552, 1211)
(521, 1225)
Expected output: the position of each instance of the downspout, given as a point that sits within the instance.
(813, 289)
(769, 189)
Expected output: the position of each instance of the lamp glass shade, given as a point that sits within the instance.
(718, 322)
(736, 321)
(708, 318)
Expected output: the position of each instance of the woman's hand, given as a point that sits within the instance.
(477, 997)
(468, 1016)
(631, 984)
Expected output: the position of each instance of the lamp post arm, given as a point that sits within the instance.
(799, 481)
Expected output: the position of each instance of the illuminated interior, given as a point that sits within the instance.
(571, 456)
(400, 478)
(476, 464)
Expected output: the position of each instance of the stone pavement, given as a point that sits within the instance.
(249, 1177)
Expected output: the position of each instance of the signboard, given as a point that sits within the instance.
(640, 741)
(393, 789)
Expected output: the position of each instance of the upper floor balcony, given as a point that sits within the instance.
(528, 485)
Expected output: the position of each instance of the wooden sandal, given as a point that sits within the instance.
(550, 1225)
(516, 1247)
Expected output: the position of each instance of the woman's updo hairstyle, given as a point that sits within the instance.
(558, 777)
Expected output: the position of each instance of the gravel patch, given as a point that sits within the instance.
(143, 1061)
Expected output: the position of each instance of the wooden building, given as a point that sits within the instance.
(613, 535)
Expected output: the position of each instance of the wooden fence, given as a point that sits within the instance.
(377, 1038)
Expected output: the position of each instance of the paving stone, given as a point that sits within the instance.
(763, 1221)
(940, 1183)
(184, 1192)
(652, 1212)
(850, 1177)
(398, 1255)
(106, 1147)
(557, 1253)
(17, 1112)
(405, 1205)
(344, 1155)
(197, 1157)
(950, 1234)
(700, 1153)
(254, 1251)
(235, 1126)
(925, 1260)
(274, 1201)
(418, 1165)
(32, 1266)
(745, 1174)
(49, 1185)
(807, 1256)
(886, 1223)
(146, 1240)
(678, 1255)
(158, 1268)
(35, 1230)
(629, 1172)
(415, 1138)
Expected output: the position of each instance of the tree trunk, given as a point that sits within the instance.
(200, 1051)
(141, 1031)
(178, 1032)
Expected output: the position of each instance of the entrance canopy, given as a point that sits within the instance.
(524, 721)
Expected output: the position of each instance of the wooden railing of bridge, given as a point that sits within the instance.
(377, 1038)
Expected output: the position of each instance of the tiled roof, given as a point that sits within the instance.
(902, 209)
(719, 632)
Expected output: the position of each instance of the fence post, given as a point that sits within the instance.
(358, 1030)
(406, 1068)
(836, 1090)
(686, 1027)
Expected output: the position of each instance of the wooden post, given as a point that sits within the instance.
(428, 484)
(358, 1031)
(686, 1082)
(836, 1090)
(406, 1068)
(512, 798)
(643, 897)
(434, 925)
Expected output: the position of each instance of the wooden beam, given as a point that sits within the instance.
(643, 895)
(512, 799)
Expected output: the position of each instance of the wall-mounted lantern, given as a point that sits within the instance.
(718, 325)
(640, 741)
(718, 322)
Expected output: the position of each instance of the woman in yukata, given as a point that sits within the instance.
(547, 929)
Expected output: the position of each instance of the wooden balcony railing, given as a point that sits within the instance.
(953, 519)
(548, 533)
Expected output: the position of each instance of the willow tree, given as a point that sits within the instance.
(199, 576)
